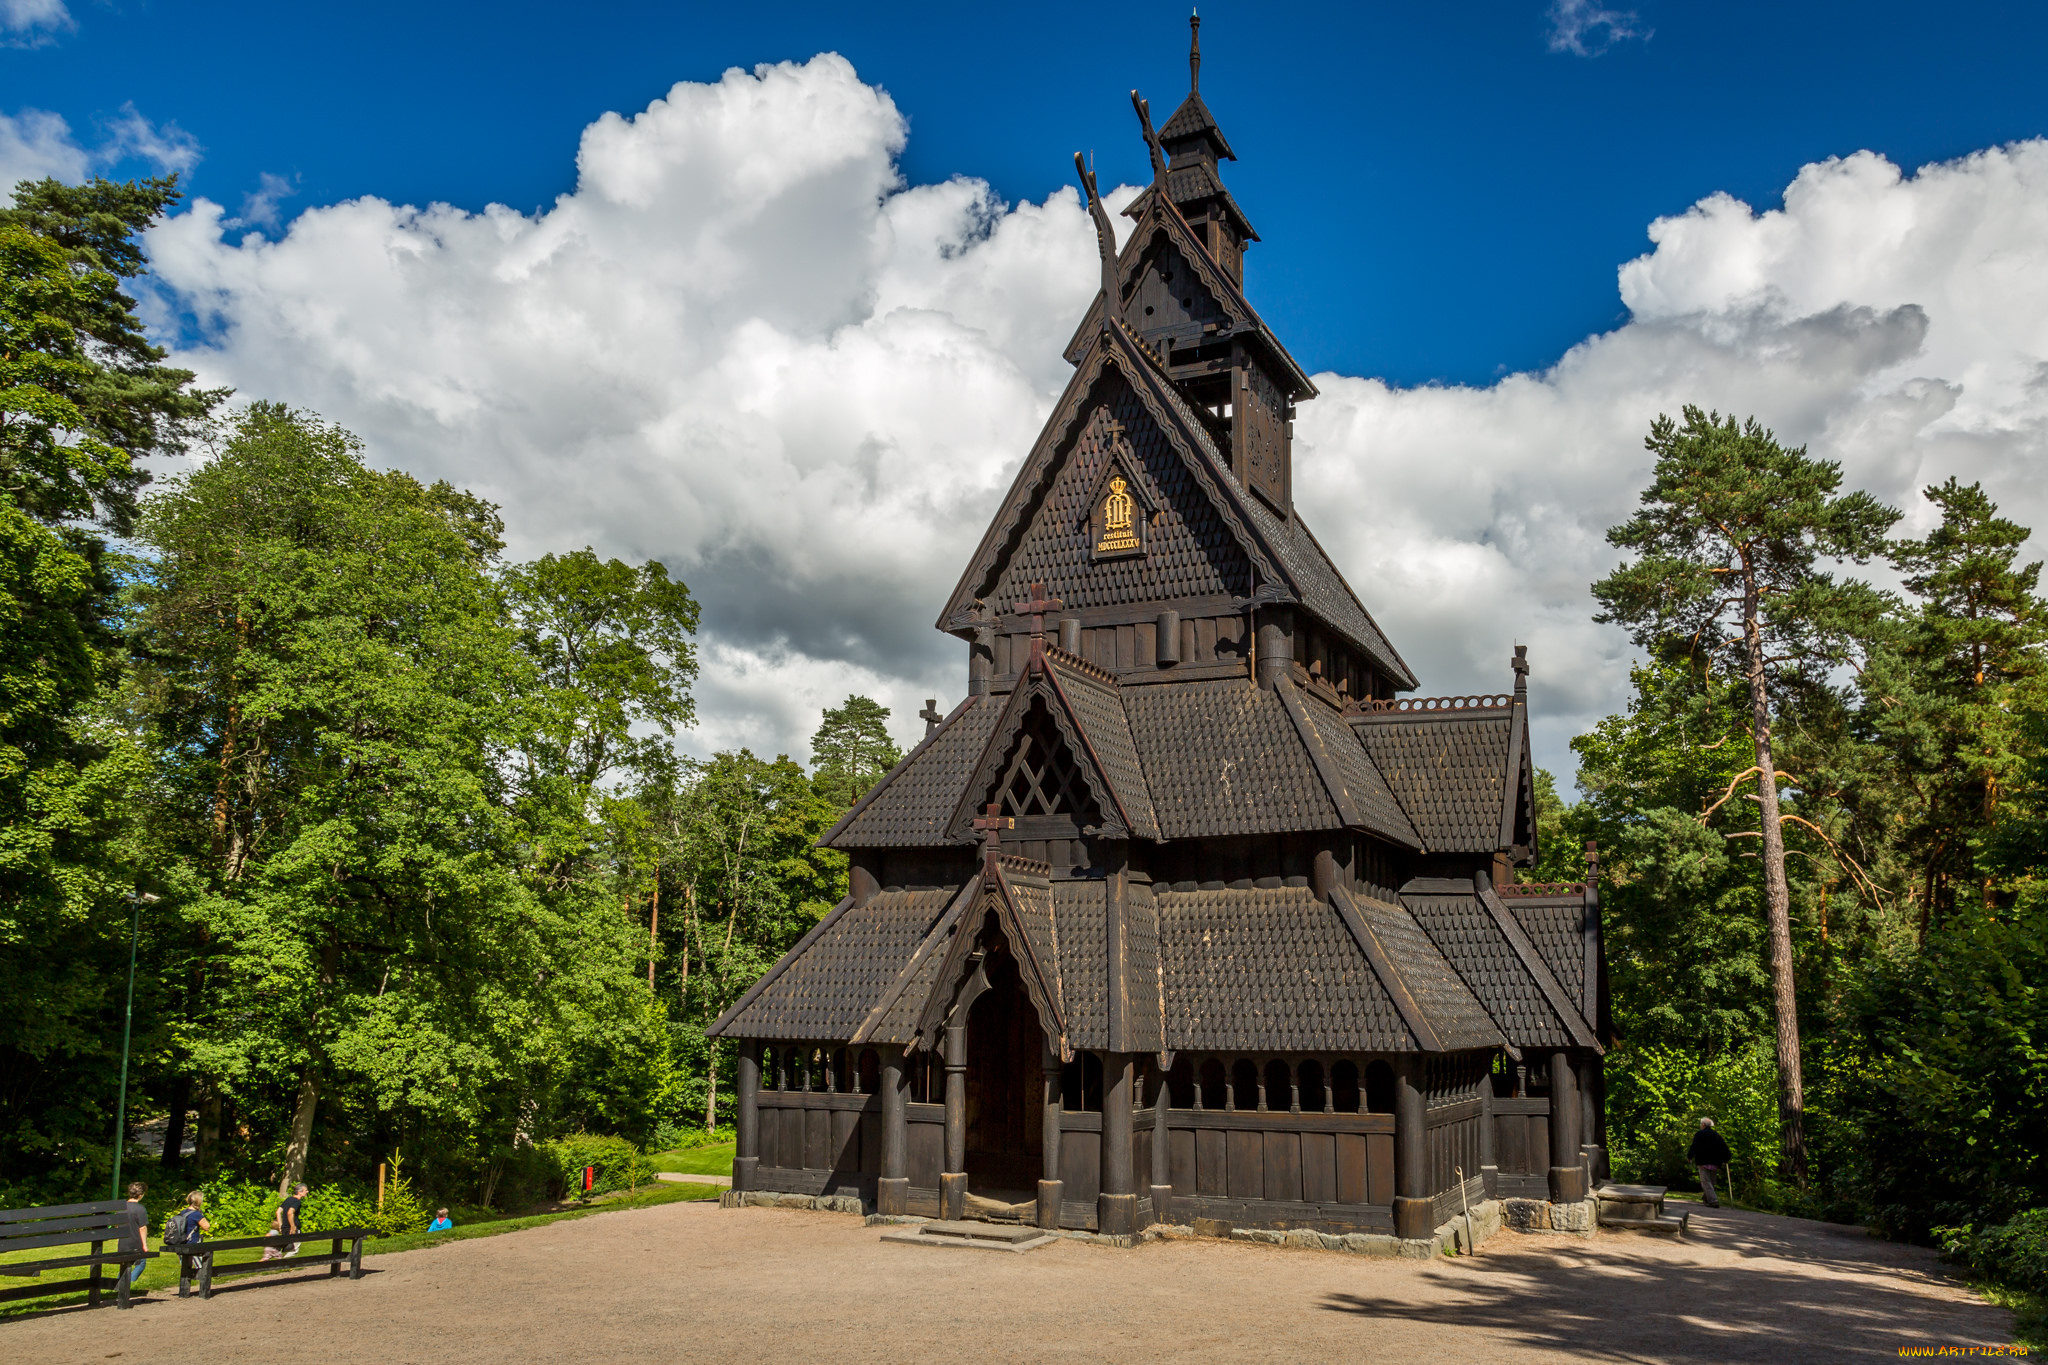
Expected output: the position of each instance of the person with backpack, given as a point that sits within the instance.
(1709, 1152)
(135, 1237)
(188, 1226)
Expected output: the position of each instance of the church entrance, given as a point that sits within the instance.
(1005, 1045)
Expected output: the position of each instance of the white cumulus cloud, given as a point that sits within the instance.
(744, 346)
(35, 143)
(32, 23)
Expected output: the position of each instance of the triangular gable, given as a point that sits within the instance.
(1029, 497)
(1006, 891)
(1095, 700)
(1156, 216)
(1029, 767)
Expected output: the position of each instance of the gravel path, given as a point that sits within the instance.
(695, 1282)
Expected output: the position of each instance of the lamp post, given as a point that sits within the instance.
(127, 1031)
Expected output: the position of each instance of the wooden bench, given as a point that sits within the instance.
(70, 1225)
(197, 1260)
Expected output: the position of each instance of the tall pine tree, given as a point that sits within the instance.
(1730, 542)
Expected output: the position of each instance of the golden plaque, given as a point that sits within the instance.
(1118, 534)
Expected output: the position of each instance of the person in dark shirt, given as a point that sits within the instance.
(135, 1237)
(1709, 1152)
(288, 1217)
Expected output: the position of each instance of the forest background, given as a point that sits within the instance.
(408, 861)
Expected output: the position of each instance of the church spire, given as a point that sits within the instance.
(1196, 146)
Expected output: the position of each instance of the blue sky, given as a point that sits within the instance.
(1442, 195)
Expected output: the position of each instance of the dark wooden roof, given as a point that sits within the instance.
(1083, 703)
(1498, 961)
(825, 986)
(1193, 120)
(1448, 762)
(913, 805)
(1237, 969)
(1558, 924)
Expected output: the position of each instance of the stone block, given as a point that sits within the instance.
(1417, 1248)
(1213, 1227)
(1305, 1238)
(1581, 1216)
(1372, 1244)
(1526, 1215)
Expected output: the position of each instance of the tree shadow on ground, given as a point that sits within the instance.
(1795, 1291)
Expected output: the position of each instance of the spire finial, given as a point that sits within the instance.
(1521, 667)
(1194, 52)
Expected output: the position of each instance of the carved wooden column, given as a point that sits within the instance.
(1489, 1163)
(747, 1123)
(1162, 1152)
(1411, 1166)
(892, 1190)
(1590, 1096)
(1050, 1188)
(953, 1180)
(1567, 1177)
(1116, 1208)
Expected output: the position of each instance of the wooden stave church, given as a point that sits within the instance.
(1183, 912)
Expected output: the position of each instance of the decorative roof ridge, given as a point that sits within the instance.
(1024, 866)
(1074, 663)
(1411, 708)
(902, 765)
(1533, 890)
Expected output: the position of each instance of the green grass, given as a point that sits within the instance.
(714, 1160)
(2029, 1313)
(162, 1273)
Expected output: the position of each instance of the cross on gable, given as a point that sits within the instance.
(930, 716)
(1036, 609)
(1112, 428)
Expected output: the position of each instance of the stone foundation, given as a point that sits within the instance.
(769, 1199)
(1581, 1218)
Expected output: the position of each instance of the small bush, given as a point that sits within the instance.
(682, 1137)
(619, 1164)
(2013, 1253)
